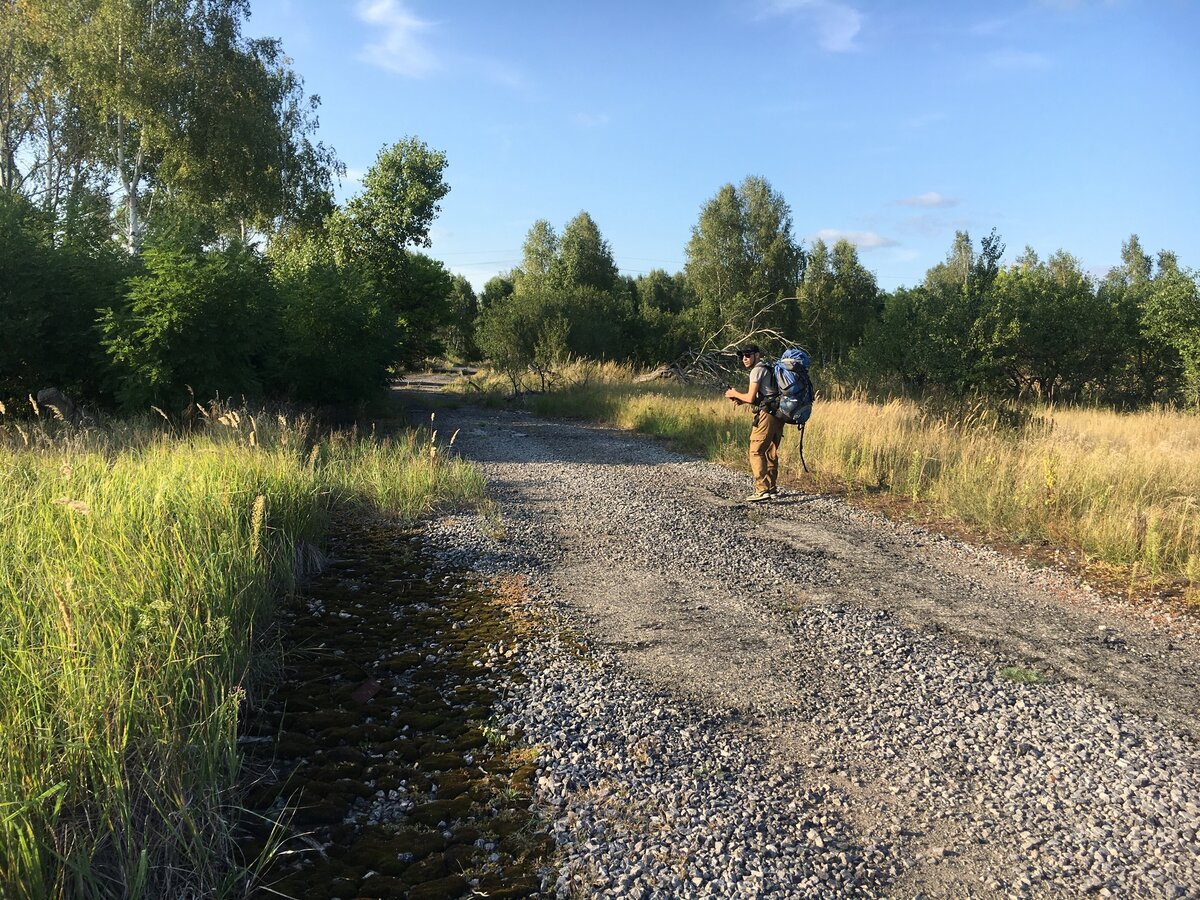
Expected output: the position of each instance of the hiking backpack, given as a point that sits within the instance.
(794, 405)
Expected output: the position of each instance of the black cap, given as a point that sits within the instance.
(748, 349)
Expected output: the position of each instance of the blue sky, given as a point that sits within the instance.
(1064, 124)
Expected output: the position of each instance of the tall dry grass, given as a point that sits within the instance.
(1122, 488)
(137, 573)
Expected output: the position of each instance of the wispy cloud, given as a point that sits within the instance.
(400, 46)
(930, 199)
(403, 45)
(837, 24)
(934, 224)
(350, 183)
(863, 240)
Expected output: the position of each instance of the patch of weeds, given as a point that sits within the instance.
(510, 794)
(493, 520)
(1022, 676)
(528, 755)
(494, 735)
(1191, 598)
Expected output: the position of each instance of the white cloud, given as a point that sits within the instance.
(438, 234)
(935, 224)
(863, 240)
(400, 47)
(929, 199)
(403, 46)
(837, 24)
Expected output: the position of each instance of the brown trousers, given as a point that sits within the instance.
(764, 450)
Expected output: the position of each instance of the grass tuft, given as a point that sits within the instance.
(1022, 676)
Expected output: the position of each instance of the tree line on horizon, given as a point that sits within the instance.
(1033, 329)
(168, 229)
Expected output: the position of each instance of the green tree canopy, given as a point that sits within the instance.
(339, 337)
(837, 299)
(166, 101)
(495, 289)
(742, 256)
(1171, 317)
(584, 258)
(48, 301)
(1147, 367)
(464, 308)
(538, 260)
(401, 196)
(1056, 325)
(966, 329)
(393, 212)
(199, 319)
(656, 290)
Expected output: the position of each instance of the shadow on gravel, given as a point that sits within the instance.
(573, 441)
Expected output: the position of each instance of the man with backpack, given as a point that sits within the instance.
(767, 429)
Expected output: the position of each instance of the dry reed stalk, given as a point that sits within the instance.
(256, 524)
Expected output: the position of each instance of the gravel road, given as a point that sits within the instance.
(806, 700)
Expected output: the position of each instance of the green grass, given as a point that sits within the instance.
(138, 573)
(1022, 676)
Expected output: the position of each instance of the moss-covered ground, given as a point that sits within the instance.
(377, 752)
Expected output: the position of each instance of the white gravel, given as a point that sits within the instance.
(827, 718)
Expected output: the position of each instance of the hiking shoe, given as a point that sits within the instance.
(760, 497)
(774, 492)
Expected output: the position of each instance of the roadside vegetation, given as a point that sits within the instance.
(1119, 490)
(138, 581)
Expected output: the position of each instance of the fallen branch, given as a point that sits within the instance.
(716, 361)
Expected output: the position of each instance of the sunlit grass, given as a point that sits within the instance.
(137, 571)
(1121, 489)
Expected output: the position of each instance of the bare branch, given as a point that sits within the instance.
(716, 361)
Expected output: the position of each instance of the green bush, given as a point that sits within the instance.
(48, 301)
(192, 318)
(337, 339)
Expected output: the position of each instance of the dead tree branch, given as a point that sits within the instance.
(716, 360)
